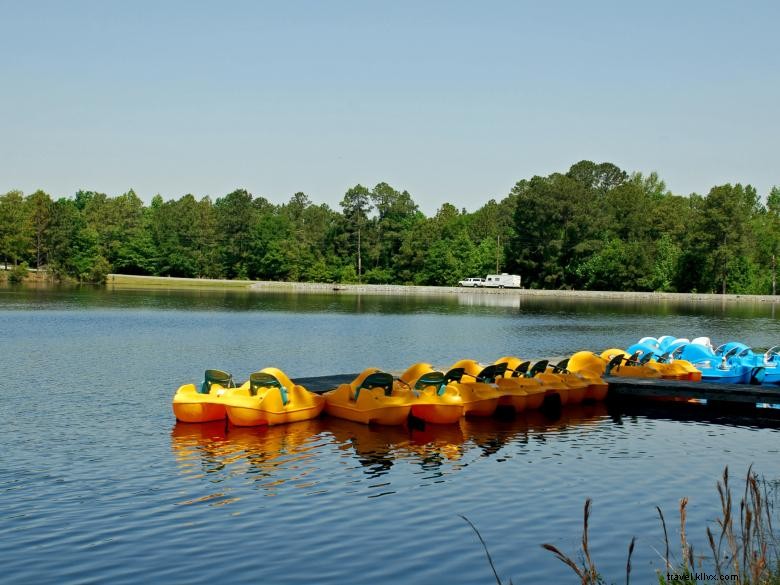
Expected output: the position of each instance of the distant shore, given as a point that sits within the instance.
(129, 281)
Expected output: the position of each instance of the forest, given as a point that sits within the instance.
(593, 227)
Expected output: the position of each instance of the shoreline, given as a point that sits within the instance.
(124, 281)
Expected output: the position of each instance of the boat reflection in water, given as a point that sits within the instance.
(270, 455)
(305, 454)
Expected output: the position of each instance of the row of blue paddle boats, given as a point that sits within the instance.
(732, 362)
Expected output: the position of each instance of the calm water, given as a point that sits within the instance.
(98, 483)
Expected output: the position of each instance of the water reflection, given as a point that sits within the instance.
(216, 451)
(301, 454)
(507, 302)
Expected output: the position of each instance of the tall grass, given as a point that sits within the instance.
(744, 545)
(744, 548)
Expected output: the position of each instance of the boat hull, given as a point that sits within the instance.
(441, 414)
(382, 415)
(517, 401)
(198, 412)
(483, 407)
(252, 417)
(191, 406)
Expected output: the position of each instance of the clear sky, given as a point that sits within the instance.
(453, 101)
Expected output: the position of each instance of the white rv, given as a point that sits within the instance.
(503, 280)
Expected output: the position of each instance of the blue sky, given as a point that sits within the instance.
(453, 101)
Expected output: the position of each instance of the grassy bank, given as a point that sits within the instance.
(130, 281)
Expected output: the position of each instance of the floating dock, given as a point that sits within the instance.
(320, 384)
(735, 396)
(721, 395)
(655, 388)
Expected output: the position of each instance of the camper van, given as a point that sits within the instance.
(503, 280)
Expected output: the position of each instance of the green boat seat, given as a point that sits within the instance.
(436, 379)
(521, 370)
(454, 375)
(633, 359)
(489, 374)
(613, 363)
(645, 359)
(377, 380)
(259, 380)
(216, 377)
(538, 368)
(562, 367)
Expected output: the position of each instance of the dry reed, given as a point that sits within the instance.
(745, 551)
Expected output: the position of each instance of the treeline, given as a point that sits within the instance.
(593, 227)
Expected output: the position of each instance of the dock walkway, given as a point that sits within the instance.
(620, 388)
(722, 394)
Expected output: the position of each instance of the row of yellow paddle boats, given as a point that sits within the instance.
(269, 397)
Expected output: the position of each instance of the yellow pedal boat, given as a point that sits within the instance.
(552, 383)
(269, 397)
(610, 362)
(204, 403)
(368, 399)
(435, 396)
(544, 378)
(582, 387)
(669, 367)
(597, 389)
(622, 363)
(519, 391)
(474, 383)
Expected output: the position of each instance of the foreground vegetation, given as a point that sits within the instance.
(744, 545)
(593, 227)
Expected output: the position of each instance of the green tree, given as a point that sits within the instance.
(66, 222)
(491, 228)
(236, 215)
(665, 266)
(178, 233)
(356, 205)
(129, 245)
(74, 248)
(410, 260)
(601, 177)
(769, 235)
(15, 236)
(39, 206)
(723, 230)
(396, 214)
(557, 225)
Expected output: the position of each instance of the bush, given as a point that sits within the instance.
(378, 276)
(99, 271)
(18, 273)
(348, 274)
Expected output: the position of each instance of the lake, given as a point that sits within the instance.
(99, 484)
